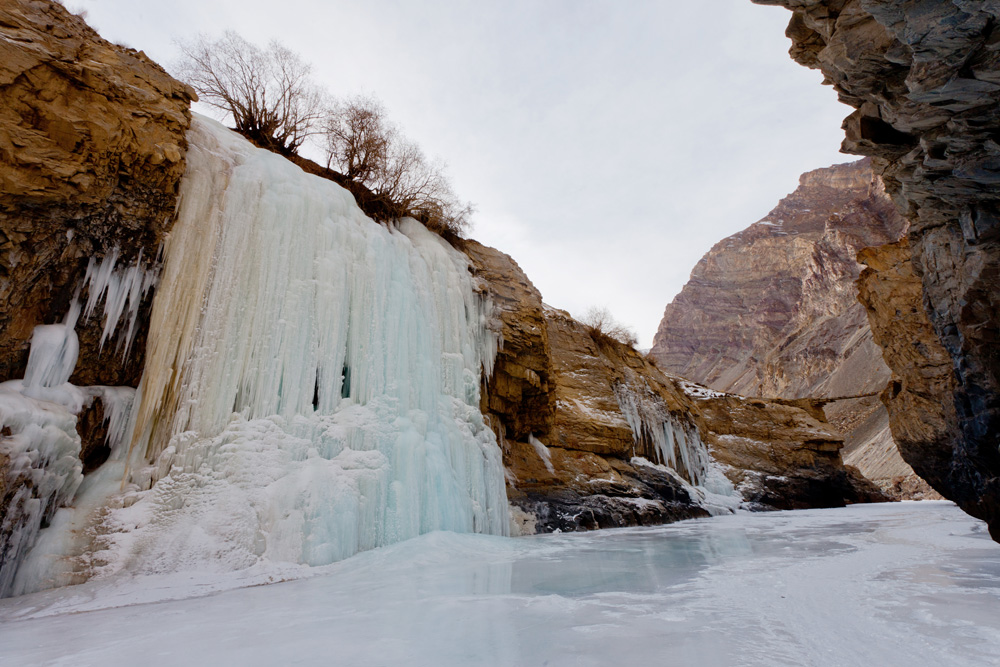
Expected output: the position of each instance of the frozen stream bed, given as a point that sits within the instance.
(901, 584)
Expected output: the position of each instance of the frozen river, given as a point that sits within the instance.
(901, 584)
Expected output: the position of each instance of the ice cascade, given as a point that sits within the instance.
(673, 438)
(311, 386)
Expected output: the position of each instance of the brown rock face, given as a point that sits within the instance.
(782, 456)
(518, 392)
(924, 427)
(773, 311)
(91, 150)
(561, 399)
(924, 78)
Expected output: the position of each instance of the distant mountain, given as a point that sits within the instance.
(772, 311)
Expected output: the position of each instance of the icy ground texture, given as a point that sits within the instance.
(902, 584)
(311, 387)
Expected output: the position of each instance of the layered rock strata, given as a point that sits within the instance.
(92, 143)
(575, 461)
(773, 311)
(924, 78)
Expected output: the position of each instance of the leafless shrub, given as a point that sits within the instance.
(361, 143)
(419, 188)
(358, 138)
(602, 325)
(267, 91)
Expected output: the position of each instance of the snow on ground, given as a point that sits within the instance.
(900, 584)
(698, 391)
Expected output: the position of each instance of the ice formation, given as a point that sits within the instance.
(40, 442)
(43, 452)
(674, 438)
(122, 290)
(543, 452)
(311, 386)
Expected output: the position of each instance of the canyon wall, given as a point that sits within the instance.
(924, 79)
(577, 413)
(773, 311)
(92, 145)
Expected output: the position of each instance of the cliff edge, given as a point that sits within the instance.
(924, 79)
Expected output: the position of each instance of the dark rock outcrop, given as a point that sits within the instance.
(924, 78)
(92, 143)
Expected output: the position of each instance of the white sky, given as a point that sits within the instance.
(607, 144)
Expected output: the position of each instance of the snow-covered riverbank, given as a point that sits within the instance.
(901, 584)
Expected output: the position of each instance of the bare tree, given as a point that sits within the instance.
(358, 138)
(367, 148)
(602, 325)
(268, 91)
(421, 189)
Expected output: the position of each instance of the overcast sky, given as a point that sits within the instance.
(606, 144)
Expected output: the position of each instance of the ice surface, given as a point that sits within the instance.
(311, 386)
(896, 584)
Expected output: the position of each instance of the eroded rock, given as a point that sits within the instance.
(92, 143)
(576, 463)
(924, 78)
(773, 311)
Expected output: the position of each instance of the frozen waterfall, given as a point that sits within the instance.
(311, 387)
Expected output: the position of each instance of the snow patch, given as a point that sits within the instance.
(543, 452)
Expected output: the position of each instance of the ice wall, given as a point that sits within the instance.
(311, 386)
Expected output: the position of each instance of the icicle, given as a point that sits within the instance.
(52, 357)
(116, 404)
(671, 436)
(543, 452)
(122, 289)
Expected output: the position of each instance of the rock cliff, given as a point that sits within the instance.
(91, 151)
(92, 146)
(773, 311)
(585, 455)
(924, 79)
(92, 143)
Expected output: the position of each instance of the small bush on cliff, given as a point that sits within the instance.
(268, 91)
(362, 144)
(603, 327)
